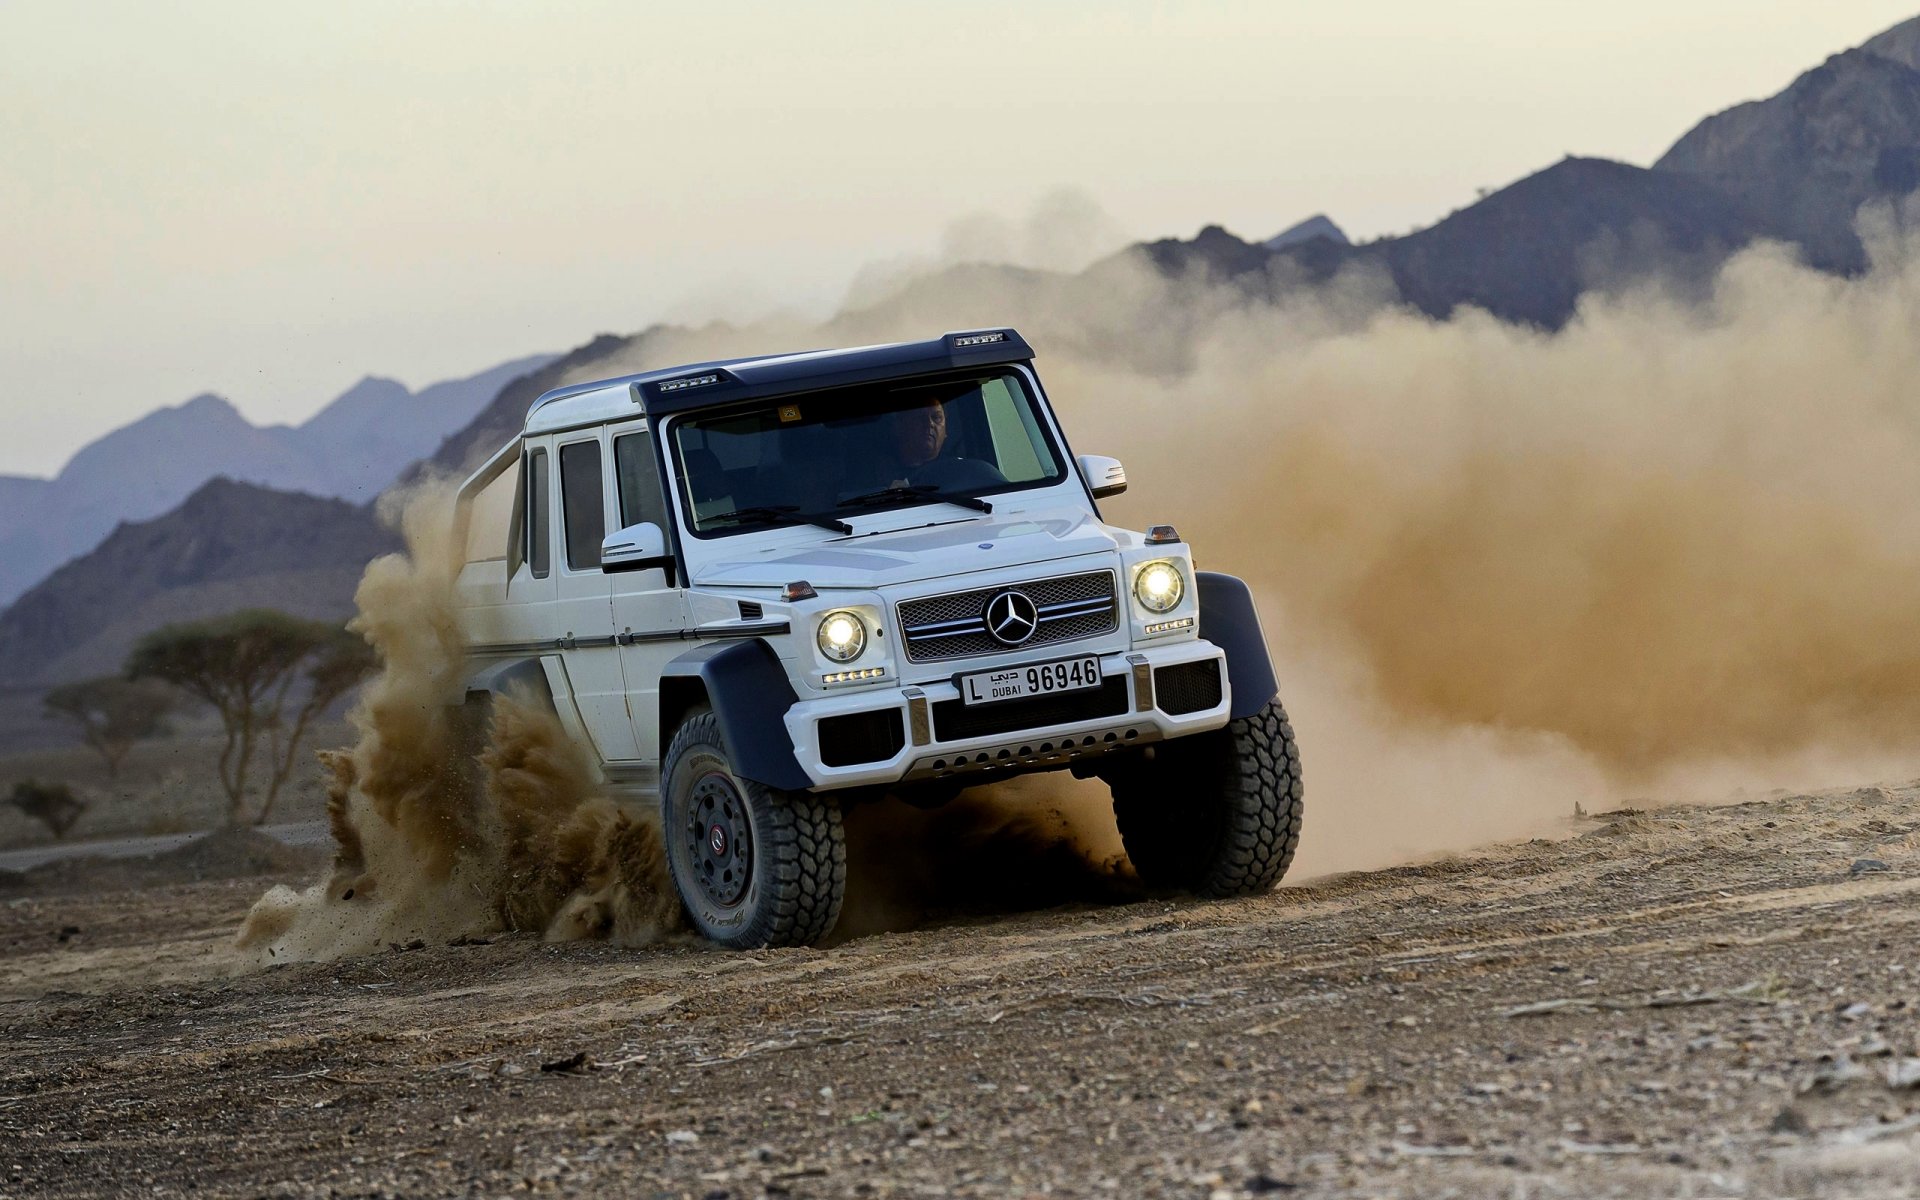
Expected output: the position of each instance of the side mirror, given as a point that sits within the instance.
(1104, 475)
(635, 548)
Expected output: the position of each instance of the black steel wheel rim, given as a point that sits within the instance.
(719, 839)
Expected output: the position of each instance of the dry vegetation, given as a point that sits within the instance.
(163, 786)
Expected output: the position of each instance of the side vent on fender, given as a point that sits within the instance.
(751, 610)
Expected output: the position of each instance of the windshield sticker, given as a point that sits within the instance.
(789, 413)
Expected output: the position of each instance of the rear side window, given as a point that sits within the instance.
(583, 504)
(639, 474)
(539, 544)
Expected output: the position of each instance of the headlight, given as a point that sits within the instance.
(1159, 586)
(842, 636)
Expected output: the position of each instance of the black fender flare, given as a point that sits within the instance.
(522, 677)
(749, 692)
(1229, 620)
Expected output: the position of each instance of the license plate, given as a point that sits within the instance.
(1034, 679)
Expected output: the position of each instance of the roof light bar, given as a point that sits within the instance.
(691, 381)
(978, 339)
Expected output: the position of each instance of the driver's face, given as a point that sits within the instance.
(919, 433)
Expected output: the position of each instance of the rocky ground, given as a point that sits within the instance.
(1698, 1002)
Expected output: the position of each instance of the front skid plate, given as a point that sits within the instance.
(1035, 753)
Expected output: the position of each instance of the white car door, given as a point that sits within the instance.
(582, 605)
(649, 611)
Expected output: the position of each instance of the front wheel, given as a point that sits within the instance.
(1216, 814)
(755, 866)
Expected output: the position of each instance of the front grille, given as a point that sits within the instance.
(1187, 687)
(954, 625)
(861, 737)
(954, 721)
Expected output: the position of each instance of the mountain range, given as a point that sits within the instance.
(229, 546)
(1795, 168)
(351, 449)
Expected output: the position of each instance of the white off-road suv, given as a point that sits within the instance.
(863, 575)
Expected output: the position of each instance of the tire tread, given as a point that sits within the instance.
(803, 841)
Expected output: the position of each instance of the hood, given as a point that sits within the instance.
(952, 547)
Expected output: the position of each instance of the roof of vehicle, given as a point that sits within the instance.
(728, 381)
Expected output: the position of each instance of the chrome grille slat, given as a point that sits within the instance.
(954, 626)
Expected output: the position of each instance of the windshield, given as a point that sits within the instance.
(821, 457)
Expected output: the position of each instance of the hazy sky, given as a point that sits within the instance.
(272, 200)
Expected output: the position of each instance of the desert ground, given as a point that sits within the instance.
(1712, 1001)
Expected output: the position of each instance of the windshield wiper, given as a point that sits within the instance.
(918, 491)
(782, 514)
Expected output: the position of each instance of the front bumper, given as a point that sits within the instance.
(922, 731)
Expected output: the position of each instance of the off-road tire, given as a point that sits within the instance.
(797, 872)
(1215, 814)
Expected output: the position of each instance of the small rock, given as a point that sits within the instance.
(1904, 1073)
(1866, 866)
(683, 1137)
(1789, 1120)
(1833, 1073)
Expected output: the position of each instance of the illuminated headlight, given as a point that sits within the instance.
(842, 636)
(1159, 586)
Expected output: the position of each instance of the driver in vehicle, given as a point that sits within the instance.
(916, 438)
(918, 434)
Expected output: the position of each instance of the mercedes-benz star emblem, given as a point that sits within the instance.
(1012, 618)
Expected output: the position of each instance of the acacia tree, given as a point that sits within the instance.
(247, 665)
(52, 804)
(337, 663)
(112, 713)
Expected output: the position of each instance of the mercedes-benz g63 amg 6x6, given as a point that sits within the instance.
(760, 589)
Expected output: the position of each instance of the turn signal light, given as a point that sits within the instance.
(799, 589)
(1162, 535)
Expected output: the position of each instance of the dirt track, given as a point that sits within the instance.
(1730, 998)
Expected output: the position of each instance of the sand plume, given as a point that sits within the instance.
(434, 843)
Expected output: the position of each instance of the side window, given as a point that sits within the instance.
(639, 474)
(583, 504)
(539, 544)
(1017, 444)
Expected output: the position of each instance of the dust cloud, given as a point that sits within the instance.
(449, 822)
(1669, 551)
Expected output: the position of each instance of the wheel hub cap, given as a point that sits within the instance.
(720, 840)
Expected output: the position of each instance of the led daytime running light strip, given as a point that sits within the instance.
(1170, 626)
(853, 676)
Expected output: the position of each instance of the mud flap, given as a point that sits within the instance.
(1229, 621)
(748, 690)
